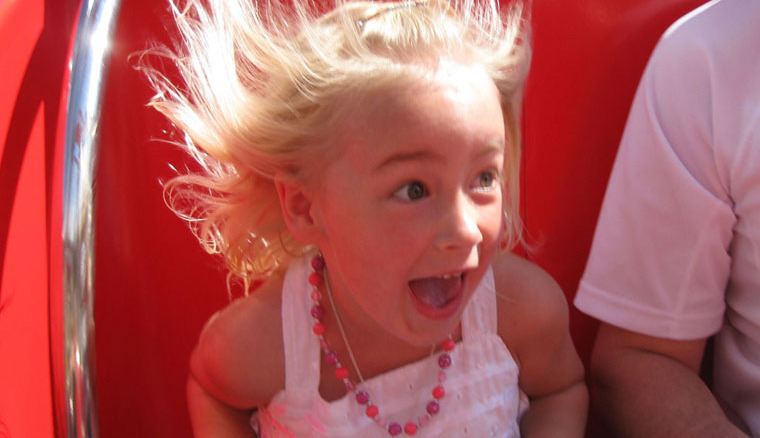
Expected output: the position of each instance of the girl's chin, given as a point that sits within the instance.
(428, 339)
(424, 330)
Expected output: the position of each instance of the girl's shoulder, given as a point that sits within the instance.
(531, 305)
(239, 356)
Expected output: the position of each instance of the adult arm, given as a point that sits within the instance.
(650, 387)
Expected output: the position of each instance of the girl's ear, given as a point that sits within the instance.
(296, 204)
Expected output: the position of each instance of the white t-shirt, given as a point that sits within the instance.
(676, 252)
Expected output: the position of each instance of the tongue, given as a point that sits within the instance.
(436, 292)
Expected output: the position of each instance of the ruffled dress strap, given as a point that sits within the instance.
(302, 353)
(480, 317)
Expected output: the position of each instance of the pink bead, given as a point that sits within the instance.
(395, 429)
(331, 358)
(318, 329)
(315, 279)
(424, 420)
(372, 411)
(433, 407)
(318, 263)
(325, 346)
(341, 373)
(410, 428)
(350, 387)
(439, 392)
(442, 376)
(317, 311)
(316, 296)
(444, 361)
(362, 397)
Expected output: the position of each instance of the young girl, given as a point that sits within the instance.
(362, 165)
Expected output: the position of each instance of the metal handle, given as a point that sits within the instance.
(89, 68)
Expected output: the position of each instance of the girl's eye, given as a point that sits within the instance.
(411, 192)
(486, 181)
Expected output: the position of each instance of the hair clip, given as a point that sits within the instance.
(408, 4)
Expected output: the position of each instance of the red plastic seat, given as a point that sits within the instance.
(155, 287)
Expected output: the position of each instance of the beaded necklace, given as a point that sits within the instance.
(318, 278)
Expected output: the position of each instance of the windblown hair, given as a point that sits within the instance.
(264, 87)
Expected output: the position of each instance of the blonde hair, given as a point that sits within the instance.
(263, 88)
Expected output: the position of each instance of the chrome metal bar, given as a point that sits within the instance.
(89, 67)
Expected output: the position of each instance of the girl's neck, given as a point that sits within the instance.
(376, 352)
(375, 349)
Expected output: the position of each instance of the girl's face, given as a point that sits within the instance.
(410, 213)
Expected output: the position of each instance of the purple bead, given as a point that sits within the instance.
(331, 358)
(362, 397)
(444, 361)
(433, 407)
(395, 429)
(318, 263)
(317, 311)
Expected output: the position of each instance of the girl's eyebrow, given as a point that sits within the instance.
(497, 146)
(432, 155)
(403, 157)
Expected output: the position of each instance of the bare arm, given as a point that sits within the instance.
(552, 375)
(212, 418)
(558, 414)
(535, 327)
(229, 377)
(650, 387)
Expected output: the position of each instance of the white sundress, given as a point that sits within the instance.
(482, 395)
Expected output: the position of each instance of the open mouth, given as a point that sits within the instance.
(436, 294)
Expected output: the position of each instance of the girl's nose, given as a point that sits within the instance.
(458, 227)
